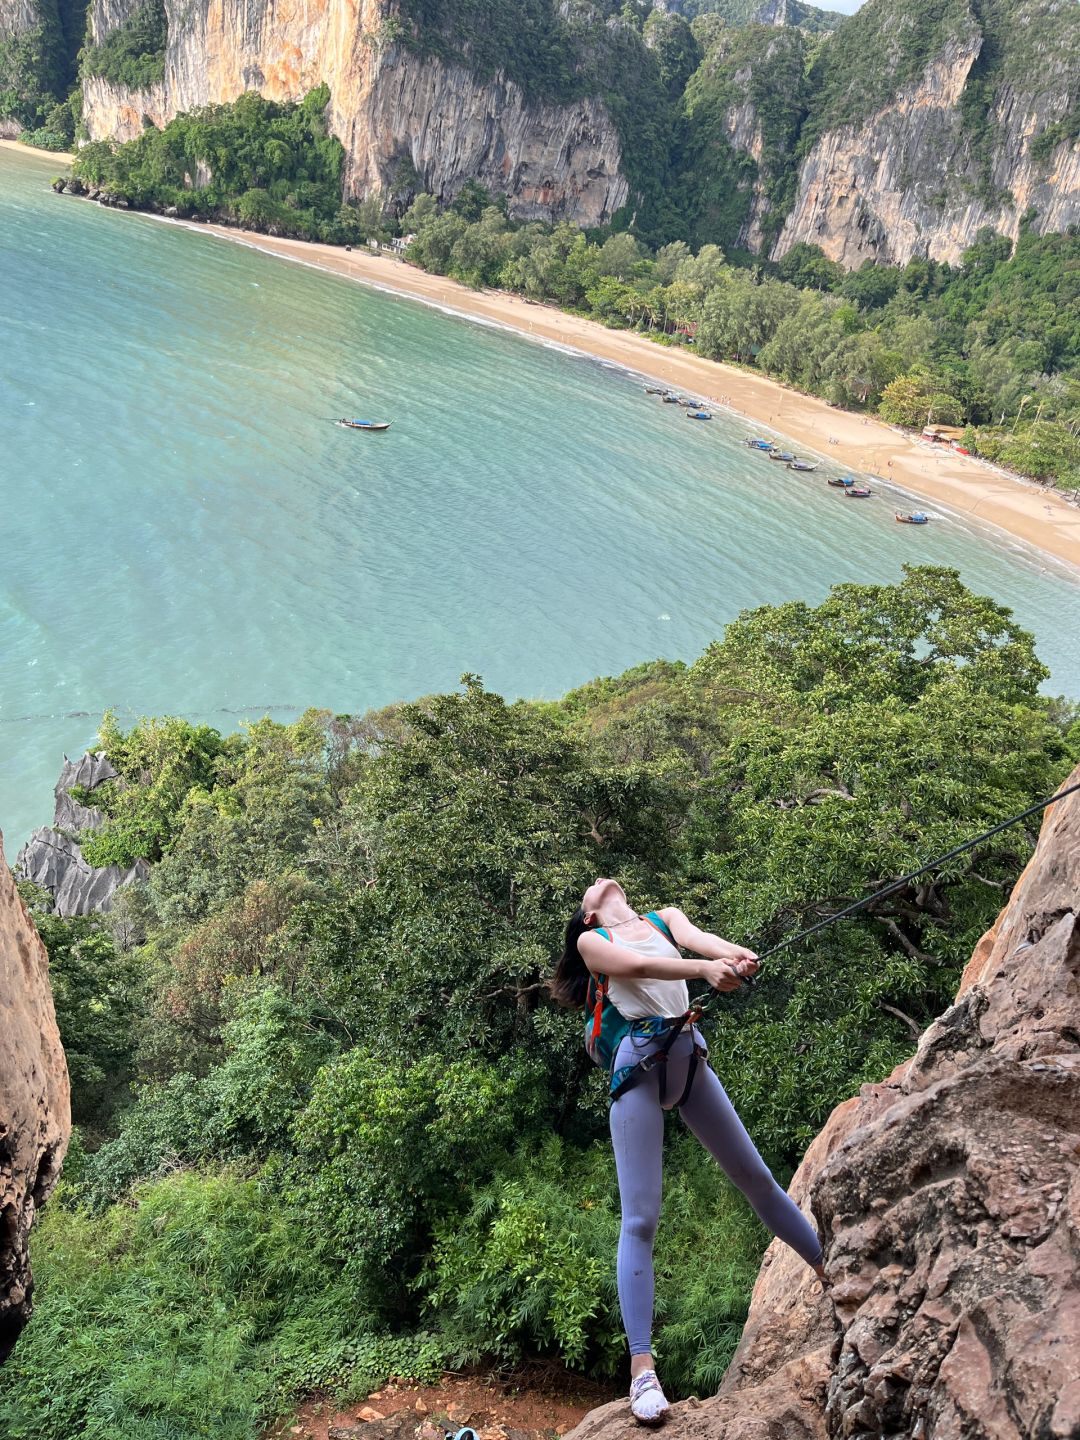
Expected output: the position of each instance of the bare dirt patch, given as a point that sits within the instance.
(534, 1404)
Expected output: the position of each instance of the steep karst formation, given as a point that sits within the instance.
(926, 131)
(948, 1196)
(35, 1110)
(902, 133)
(391, 106)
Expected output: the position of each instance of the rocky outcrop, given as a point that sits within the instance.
(949, 1199)
(396, 112)
(18, 16)
(52, 858)
(35, 1105)
(910, 180)
(119, 113)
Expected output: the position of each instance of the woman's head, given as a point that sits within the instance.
(604, 903)
(570, 983)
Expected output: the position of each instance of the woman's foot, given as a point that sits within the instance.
(648, 1403)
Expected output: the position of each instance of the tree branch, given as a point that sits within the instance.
(908, 1021)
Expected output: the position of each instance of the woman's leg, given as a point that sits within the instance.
(637, 1137)
(710, 1115)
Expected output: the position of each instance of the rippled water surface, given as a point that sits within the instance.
(185, 530)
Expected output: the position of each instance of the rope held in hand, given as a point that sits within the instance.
(895, 885)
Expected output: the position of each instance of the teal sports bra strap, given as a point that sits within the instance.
(659, 923)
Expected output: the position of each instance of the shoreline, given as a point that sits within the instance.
(62, 157)
(969, 487)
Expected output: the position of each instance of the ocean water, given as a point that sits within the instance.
(185, 531)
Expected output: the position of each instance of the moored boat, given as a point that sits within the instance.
(761, 444)
(655, 390)
(366, 424)
(844, 480)
(917, 517)
(670, 399)
(698, 415)
(801, 465)
(857, 492)
(785, 455)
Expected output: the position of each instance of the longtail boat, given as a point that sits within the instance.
(857, 492)
(915, 518)
(801, 465)
(366, 424)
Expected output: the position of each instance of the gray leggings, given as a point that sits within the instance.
(637, 1134)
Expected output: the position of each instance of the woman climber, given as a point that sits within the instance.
(646, 984)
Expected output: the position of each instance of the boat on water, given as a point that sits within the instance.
(783, 455)
(670, 399)
(690, 404)
(366, 424)
(698, 415)
(857, 492)
(844, 480)
(917, 517)
(655, 390)
(801, 465)
(761, 444)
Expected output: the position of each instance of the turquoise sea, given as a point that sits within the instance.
(185, 531)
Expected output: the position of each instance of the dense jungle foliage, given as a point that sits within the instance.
(330, 1127)
(266, 165)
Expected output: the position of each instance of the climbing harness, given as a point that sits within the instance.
(606, 1028)
(672, 1028)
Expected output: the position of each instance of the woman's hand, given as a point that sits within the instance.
(722, 975)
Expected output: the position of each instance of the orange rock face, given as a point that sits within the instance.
(35, 1110)
(949, 1198)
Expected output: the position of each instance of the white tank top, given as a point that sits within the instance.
(636, 999)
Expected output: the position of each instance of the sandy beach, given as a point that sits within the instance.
(60, 156)
(932, 473)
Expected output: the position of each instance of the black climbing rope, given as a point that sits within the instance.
(895, 885)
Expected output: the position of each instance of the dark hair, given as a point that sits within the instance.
(570, 983)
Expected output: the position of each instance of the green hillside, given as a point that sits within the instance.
(330, 1125)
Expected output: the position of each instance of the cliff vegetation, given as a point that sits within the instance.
(330, 1126)
(134, 53)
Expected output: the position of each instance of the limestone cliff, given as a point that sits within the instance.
(951, 149)
(18, 16)
(394, 109)
(948, 1197)
(35, 1108)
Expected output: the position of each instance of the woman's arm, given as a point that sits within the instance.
(702, 942)
(604, 957)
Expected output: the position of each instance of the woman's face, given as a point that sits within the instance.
(604, 899)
